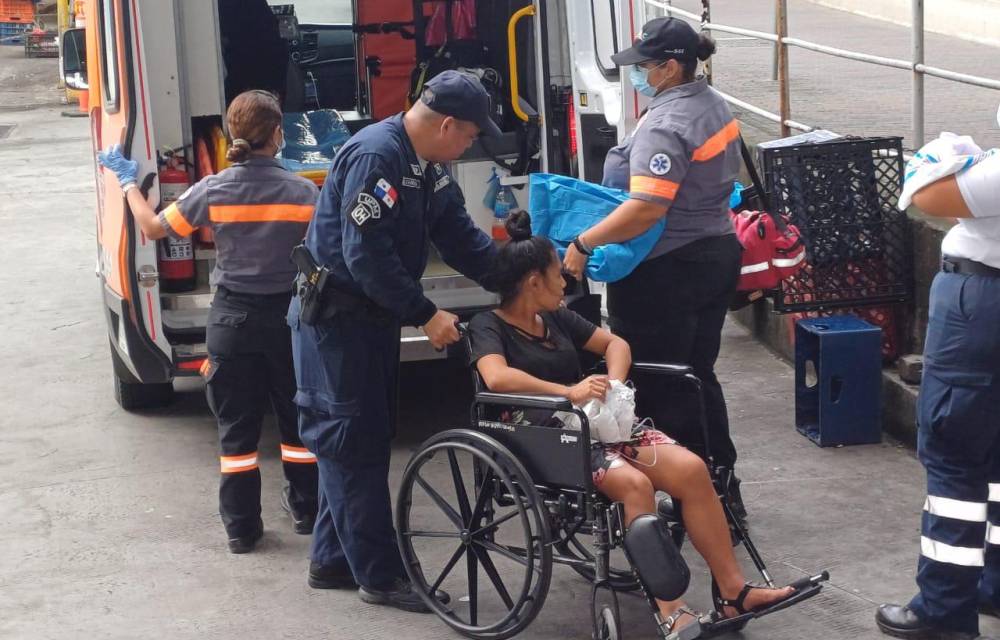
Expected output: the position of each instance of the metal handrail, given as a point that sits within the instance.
(915, 66)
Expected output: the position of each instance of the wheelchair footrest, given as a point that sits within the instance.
(806, 588)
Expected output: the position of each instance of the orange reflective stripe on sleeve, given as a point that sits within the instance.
(653, 187)
(717, 143)
(237, 464)
(175, 218)
(260, 212)
(297, 454)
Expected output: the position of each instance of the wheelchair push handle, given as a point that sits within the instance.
(462, 333)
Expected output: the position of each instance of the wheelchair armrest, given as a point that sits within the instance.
(662, 368)
(525, 400)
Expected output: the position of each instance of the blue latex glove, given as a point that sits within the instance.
(126, 170)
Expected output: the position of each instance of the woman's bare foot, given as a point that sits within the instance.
(756, 598)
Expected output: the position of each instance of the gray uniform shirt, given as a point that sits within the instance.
(258, 212)
(683, 154)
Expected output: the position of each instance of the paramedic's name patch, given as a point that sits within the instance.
(367, 208)
(660, 164)
(385, 192)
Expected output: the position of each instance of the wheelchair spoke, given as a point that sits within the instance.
(494, 575)
(506, 552)
(473, 587)
(496, 523)
(485, 493)
(432, 534)
(448, 567)
(444, 506)
(460, 492)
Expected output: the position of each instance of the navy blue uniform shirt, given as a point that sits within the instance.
(377, 211)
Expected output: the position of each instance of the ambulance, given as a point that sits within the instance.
(159, 74)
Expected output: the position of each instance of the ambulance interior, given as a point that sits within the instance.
(340, 65)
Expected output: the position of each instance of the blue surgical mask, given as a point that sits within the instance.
(639, 78)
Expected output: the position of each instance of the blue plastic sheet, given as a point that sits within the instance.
(561, 208)
(312, 139)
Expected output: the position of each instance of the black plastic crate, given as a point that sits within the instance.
(842, 196)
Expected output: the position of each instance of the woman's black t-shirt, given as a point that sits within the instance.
(553, 358)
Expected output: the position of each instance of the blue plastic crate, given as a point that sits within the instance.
(838, 397)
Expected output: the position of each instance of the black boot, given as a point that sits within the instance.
(901, 622)
(400, 594)
(302, 522)
(247, 543)
(330, 577)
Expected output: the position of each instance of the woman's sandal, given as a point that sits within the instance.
(688, 632)
(739, 603)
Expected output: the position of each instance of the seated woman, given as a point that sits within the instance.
(530, 344)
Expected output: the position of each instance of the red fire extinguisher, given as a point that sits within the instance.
(176, 257)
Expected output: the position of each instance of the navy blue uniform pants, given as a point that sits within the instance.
(672, 309)
(250, 371)
(347, 369)
(959, 446)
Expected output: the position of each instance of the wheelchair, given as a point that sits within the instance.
(517, 499)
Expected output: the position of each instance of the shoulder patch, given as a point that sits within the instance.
(366, 209)
(660, 164)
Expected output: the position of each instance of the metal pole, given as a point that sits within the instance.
(785, 107)
(918, 76)
(706, 18)
(774, 52)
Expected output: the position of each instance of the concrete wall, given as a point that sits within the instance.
(975, 20)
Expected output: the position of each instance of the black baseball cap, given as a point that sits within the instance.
(661, 39)
(462, 96)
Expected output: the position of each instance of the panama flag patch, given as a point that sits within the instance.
(385, 192)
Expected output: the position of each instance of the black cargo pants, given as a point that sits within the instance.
(250, 368)
(672, 309)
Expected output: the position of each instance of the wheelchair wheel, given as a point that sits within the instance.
(465, 497)
(620, 578)
(606, 616)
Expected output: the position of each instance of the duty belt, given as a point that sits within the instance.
(969, 267)
(320, 300)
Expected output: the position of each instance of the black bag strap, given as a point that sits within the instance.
(758, 187)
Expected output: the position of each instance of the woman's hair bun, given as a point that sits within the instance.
(518, 225)
(706, 46)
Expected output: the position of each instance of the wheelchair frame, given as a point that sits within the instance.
(553, 512)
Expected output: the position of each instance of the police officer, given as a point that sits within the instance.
(258, 212)
(680, 161)
(386, 195)
(958, 436)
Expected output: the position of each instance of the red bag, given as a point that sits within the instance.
(462, 26)
(772, 248)
(771, 251)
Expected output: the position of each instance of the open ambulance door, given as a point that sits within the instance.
(606, 107)
(119, 114)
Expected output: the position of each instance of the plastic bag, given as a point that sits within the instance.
(562, 207)
(312, 139)
(613, 419)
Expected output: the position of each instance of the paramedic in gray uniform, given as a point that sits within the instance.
(958, 434)
(258, 211)
(680, 161)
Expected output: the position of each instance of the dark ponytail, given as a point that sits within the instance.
(522, 255)
(706, 49)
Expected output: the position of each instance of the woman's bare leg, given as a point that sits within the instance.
(685, 476)
(625, 484)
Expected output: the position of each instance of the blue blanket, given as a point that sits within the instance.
(561, 208)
